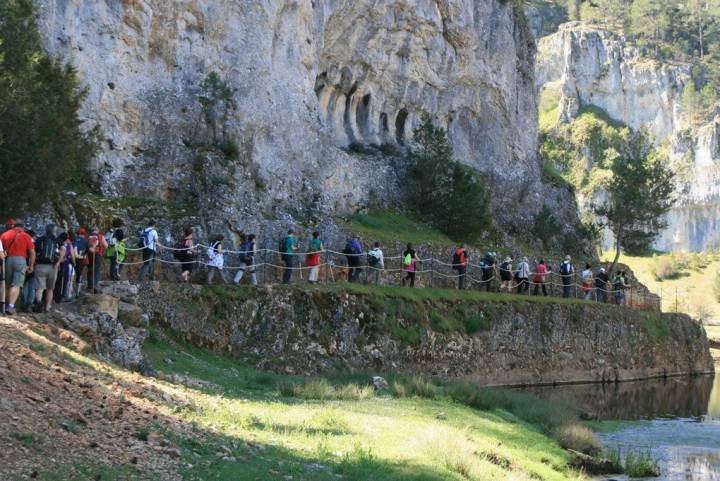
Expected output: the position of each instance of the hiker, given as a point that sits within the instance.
(65, 270)
(216, 260)
(19, 261)
(29, 287)
(618, 284)
(49, 253)
(148, 243)
(315, 249)
(602, 285)
(410, 262)
(80, 245)
(96, 251)
(248, 251)
(506, 275)
(288, 246)
(185, 253)
(523, 275)
(460, 264)
(567, 273)
(113, 237)
(587, 282)
(376, 261)
(540, 278)
(488, 270)
(353, 251)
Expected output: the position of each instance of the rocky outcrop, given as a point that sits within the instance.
(313, 81)
(493, 342)
(589, 66)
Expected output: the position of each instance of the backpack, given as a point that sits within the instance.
(350, 248)
(372, 259)
(565, 268)
(144, 240)
(283, 246)
(110, 238)
(407, 260)
(246, 252)
(47, 251)
(458, 259)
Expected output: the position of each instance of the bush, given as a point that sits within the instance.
(640, 465)
(320, 389)
(578, 437)
(413, 386)
(665, 268)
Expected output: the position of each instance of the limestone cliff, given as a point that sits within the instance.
(590, 66)
(314, 81)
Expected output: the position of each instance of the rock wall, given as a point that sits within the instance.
(314, 81)
(590, 66)
(493, 342)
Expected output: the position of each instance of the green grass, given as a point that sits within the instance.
(689, 291)
(391, 227)
(319, 429)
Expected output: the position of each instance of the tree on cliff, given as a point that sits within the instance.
(43, 149)
(442, 191)
(638, 195)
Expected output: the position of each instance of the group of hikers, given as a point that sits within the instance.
(50, 267)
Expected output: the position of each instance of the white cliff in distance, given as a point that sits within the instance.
(590, 66)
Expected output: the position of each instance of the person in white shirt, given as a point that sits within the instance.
(587, 282)
(376, 261)
(148, 241)
(216, 260)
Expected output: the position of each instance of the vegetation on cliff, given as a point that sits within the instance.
(44, 148)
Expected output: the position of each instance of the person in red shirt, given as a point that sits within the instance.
(20, 260)
(96, 250)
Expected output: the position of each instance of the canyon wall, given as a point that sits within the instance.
(590, 66)
(314, 83)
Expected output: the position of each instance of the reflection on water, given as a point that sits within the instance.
(682, 432)
(672, 397)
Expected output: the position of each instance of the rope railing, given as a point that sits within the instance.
(439, 271)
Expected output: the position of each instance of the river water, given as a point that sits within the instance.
(676, 420)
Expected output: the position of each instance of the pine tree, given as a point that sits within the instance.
(43, 149)
(442, 191)
(638, 195)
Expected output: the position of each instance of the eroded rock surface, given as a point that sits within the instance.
(311, 78)
(523, 342)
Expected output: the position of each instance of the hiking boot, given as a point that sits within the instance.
(10, 311)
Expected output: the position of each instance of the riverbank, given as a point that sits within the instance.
(487, 338)
(208, 417)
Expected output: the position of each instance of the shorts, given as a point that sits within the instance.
(15, 269)
(45, 275)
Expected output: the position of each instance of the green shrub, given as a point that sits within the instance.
(321, 389)
(414, 386)
(640, 465)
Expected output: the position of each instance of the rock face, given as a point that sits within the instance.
(310, 79)
(305, 332)
(590, 66)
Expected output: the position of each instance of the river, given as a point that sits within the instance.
(676, 420)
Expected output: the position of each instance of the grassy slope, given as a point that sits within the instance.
(694, 286)
(374, 438)
(230, 421)
(389, 227)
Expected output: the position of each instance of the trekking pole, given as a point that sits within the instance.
(2, 286)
